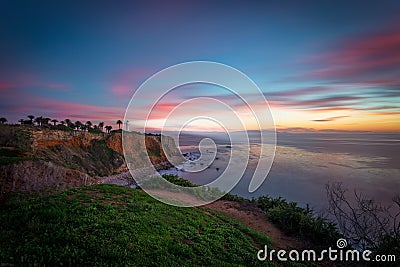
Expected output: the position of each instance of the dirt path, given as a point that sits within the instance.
(253, 217)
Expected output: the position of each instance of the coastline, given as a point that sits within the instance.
(125, 178)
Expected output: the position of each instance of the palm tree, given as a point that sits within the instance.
(3, 120)
(54, 121)
(78, 125)
(119, 122)
(89, 125)
(69, 123)
(108, 128)
(31, 117)
(21, 121)
(101, 125)
(46, 121)
(39, 120)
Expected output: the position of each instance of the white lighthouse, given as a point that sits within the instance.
(127, 126)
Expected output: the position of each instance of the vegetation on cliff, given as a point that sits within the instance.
(66, 124)
(111, 225)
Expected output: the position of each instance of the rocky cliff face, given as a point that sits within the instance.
(37, 175)
(87, 153)
(44, 138)
(60, 159)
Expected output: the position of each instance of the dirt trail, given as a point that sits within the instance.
(255, 218)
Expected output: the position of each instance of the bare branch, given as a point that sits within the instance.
(364, 222)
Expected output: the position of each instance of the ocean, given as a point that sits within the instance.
(304, 163)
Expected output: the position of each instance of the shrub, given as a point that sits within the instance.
(298, 221)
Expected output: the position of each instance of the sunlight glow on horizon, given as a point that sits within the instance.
(316, 72)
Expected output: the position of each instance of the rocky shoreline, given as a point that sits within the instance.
(122, 179)
(126, 179)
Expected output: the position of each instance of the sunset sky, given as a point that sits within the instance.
(320, 64)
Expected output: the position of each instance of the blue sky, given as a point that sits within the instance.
(330, 64)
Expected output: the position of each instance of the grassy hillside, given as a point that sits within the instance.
(105, 224)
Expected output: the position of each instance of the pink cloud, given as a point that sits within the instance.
(5, 86)
(361, 57)
(162, 109)
(368, 65)
(125, 83)
(27, 80)
(80, 111)
(20, 105)
(320, 103)
(122, 91)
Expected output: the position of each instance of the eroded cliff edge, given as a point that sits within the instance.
(34, 159)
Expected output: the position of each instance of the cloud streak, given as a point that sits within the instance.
(17, 106)
(362, 58)
(124, 84)
(24, 80)
(356, 73)
(330, 119)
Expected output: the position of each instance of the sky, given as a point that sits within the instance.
(321, 65)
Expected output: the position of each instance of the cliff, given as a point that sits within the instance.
(33, 158)
(37, 175)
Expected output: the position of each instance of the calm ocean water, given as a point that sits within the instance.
(305, 162)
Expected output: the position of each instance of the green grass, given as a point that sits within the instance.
(178, 180)
(255, 236)
(111, 225)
